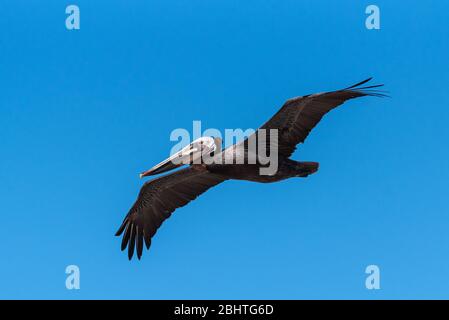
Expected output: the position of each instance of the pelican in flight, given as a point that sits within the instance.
(160, 197)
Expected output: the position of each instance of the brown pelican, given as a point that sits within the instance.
(159, 197)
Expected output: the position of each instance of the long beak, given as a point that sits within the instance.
(178, 159)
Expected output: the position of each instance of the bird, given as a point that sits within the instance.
(160, 197)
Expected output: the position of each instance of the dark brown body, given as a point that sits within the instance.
(287, 168)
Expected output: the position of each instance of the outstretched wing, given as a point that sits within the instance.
(158, 199)
(298, 116)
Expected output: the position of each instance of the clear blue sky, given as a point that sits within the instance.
(83, 112)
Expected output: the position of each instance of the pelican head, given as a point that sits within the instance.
(191, 154)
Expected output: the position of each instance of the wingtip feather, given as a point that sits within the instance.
(132, 242)
(122, 227)
(359, 84)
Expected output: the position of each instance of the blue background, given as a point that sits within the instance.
(83, 112)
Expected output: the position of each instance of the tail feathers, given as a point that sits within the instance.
(307, 168)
